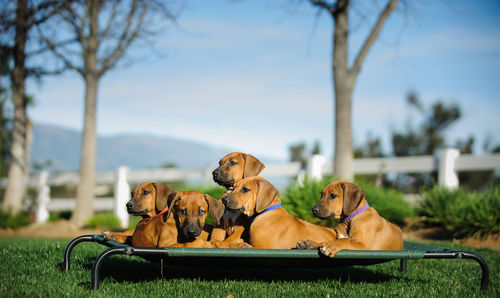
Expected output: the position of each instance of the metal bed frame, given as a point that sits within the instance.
(264, 258)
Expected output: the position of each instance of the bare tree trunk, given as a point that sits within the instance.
(344, 79)
(86, 187)
(18, 167)
(343, 84)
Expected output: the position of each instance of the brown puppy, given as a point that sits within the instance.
(148, 199)
(361, 227)
(235, 166)
(189, 211)
(232, 168)
(271, 226)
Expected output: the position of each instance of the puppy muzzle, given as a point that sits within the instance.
(318, 212)
(191, 231)
(229, 205)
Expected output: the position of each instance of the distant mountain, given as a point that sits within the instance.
(61, 146)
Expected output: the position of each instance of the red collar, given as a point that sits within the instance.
(147, 219)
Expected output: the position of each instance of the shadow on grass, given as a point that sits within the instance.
(136, 270)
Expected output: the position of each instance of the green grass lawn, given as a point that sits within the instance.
(31, 267)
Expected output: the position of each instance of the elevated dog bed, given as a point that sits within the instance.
(271, 258)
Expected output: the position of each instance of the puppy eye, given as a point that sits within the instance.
(183, 211)
(232, 162)
(201, 212)
(145, 192)
(333, 196)
(132, 194)
(244, 189)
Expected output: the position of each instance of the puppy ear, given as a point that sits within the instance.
(215, 207)
(352, 197)
(173, 198)
(253, 166)
(162, 193)
(265, 195)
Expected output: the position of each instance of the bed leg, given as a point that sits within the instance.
(71, 245)
(96, 267)
(451, 254)
(402, 265)
(485, 276)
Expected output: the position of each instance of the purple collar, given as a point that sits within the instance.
(356, 213)
(268, 209)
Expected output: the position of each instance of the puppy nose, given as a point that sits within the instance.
(225, 200)
(215, 173)
(192, 232)
(315, 210)
(129, 205)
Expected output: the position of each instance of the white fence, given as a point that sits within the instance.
(447, 163)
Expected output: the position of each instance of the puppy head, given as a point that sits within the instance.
(189, 209)
(250, 196)
(338, 199)
(148, 199)
(234, 167)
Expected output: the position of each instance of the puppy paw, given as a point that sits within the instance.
(108, 236)
(240, 245)
(329, 249)
(246, 245)
(305, 244)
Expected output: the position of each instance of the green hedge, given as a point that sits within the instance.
(214, 191)
(8, 220)
(464, 213)
(299, 199)
(104, 220)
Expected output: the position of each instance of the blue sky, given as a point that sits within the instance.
(255, 76)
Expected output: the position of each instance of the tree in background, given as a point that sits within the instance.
(344, 77)
(371, 148)
(429, 136)
(17, 23)
(424, 139)
(297, 152)
(103, 31)
(5, 121)
(316, 148)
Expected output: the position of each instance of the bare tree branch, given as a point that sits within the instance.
(112, 16)
(331, 8)
(71, 17)
(354, 71)
(56, 52)
(53, 7)
(129, 34)
(46, 48)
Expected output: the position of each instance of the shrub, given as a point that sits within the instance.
(437, 204)
(461, 212)
(54, 216)
(9, 220)
(105, 220)
(213, 191)
(298, 200)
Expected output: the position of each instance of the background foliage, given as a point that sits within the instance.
(464, 213)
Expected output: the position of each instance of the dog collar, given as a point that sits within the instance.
(356, 213)
(147, 219)
(266, 210)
